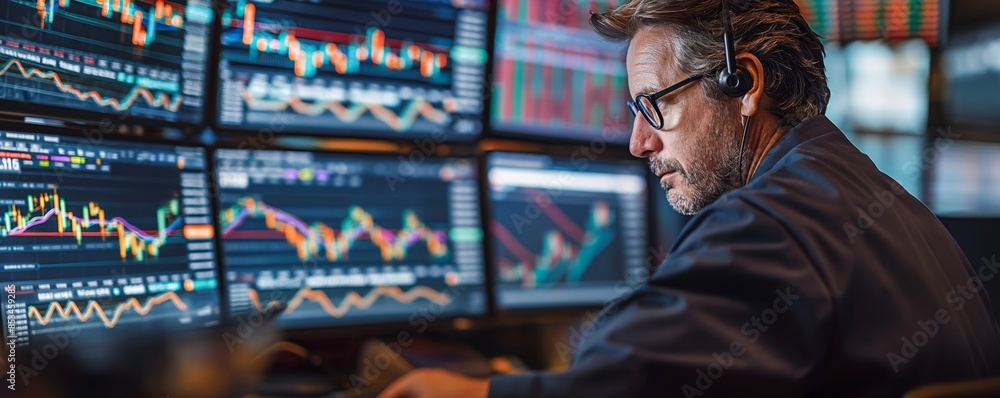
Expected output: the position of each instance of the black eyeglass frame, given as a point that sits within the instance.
(635, 105)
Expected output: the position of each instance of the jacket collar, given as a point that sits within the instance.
(806, 130)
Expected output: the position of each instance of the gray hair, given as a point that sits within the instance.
(773, 30)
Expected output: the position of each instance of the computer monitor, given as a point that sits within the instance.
(553, 77)
(348, 239)
(888, 86)
(386, 68)
(972, 78)
(564, 232)
(843, 21)
(104, 237)
(94, 59)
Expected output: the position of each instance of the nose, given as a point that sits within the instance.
(644, 142)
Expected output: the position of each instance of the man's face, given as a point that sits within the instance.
(696, 153)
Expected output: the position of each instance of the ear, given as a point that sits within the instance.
(752, 101)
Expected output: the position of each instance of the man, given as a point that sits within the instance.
(806, 271)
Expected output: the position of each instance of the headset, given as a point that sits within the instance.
(734, 80)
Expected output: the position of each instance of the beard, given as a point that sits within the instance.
(714, 169)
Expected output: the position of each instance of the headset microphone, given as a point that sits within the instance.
(735, 80)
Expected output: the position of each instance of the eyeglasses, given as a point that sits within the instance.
(646, 103)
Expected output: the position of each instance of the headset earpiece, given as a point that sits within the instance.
(735, 84)
(734, 80)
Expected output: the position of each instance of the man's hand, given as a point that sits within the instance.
(436, 383)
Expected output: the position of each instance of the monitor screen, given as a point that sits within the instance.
(564, 231)
(130, 59)
(887, 86)
(965, 180)
(339, 239)
(98, 236)
(973, 77)
(554, 77)
(382, 68)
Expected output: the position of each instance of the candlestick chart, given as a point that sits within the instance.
(128, 57)
(94, 221)
(49, 208)
(325, 69)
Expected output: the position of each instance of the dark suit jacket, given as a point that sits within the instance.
(821, 277)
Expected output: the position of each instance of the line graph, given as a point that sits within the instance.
(131, 239)
(352, 300)
(156, 100)
(319, 240)
(399, 122)
(560, 258)
(72, 309)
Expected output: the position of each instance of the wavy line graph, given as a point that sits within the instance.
(352, 299)
(309, 239)
(93, 307)
(158, 100)
(402, 121)
(131, 239)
